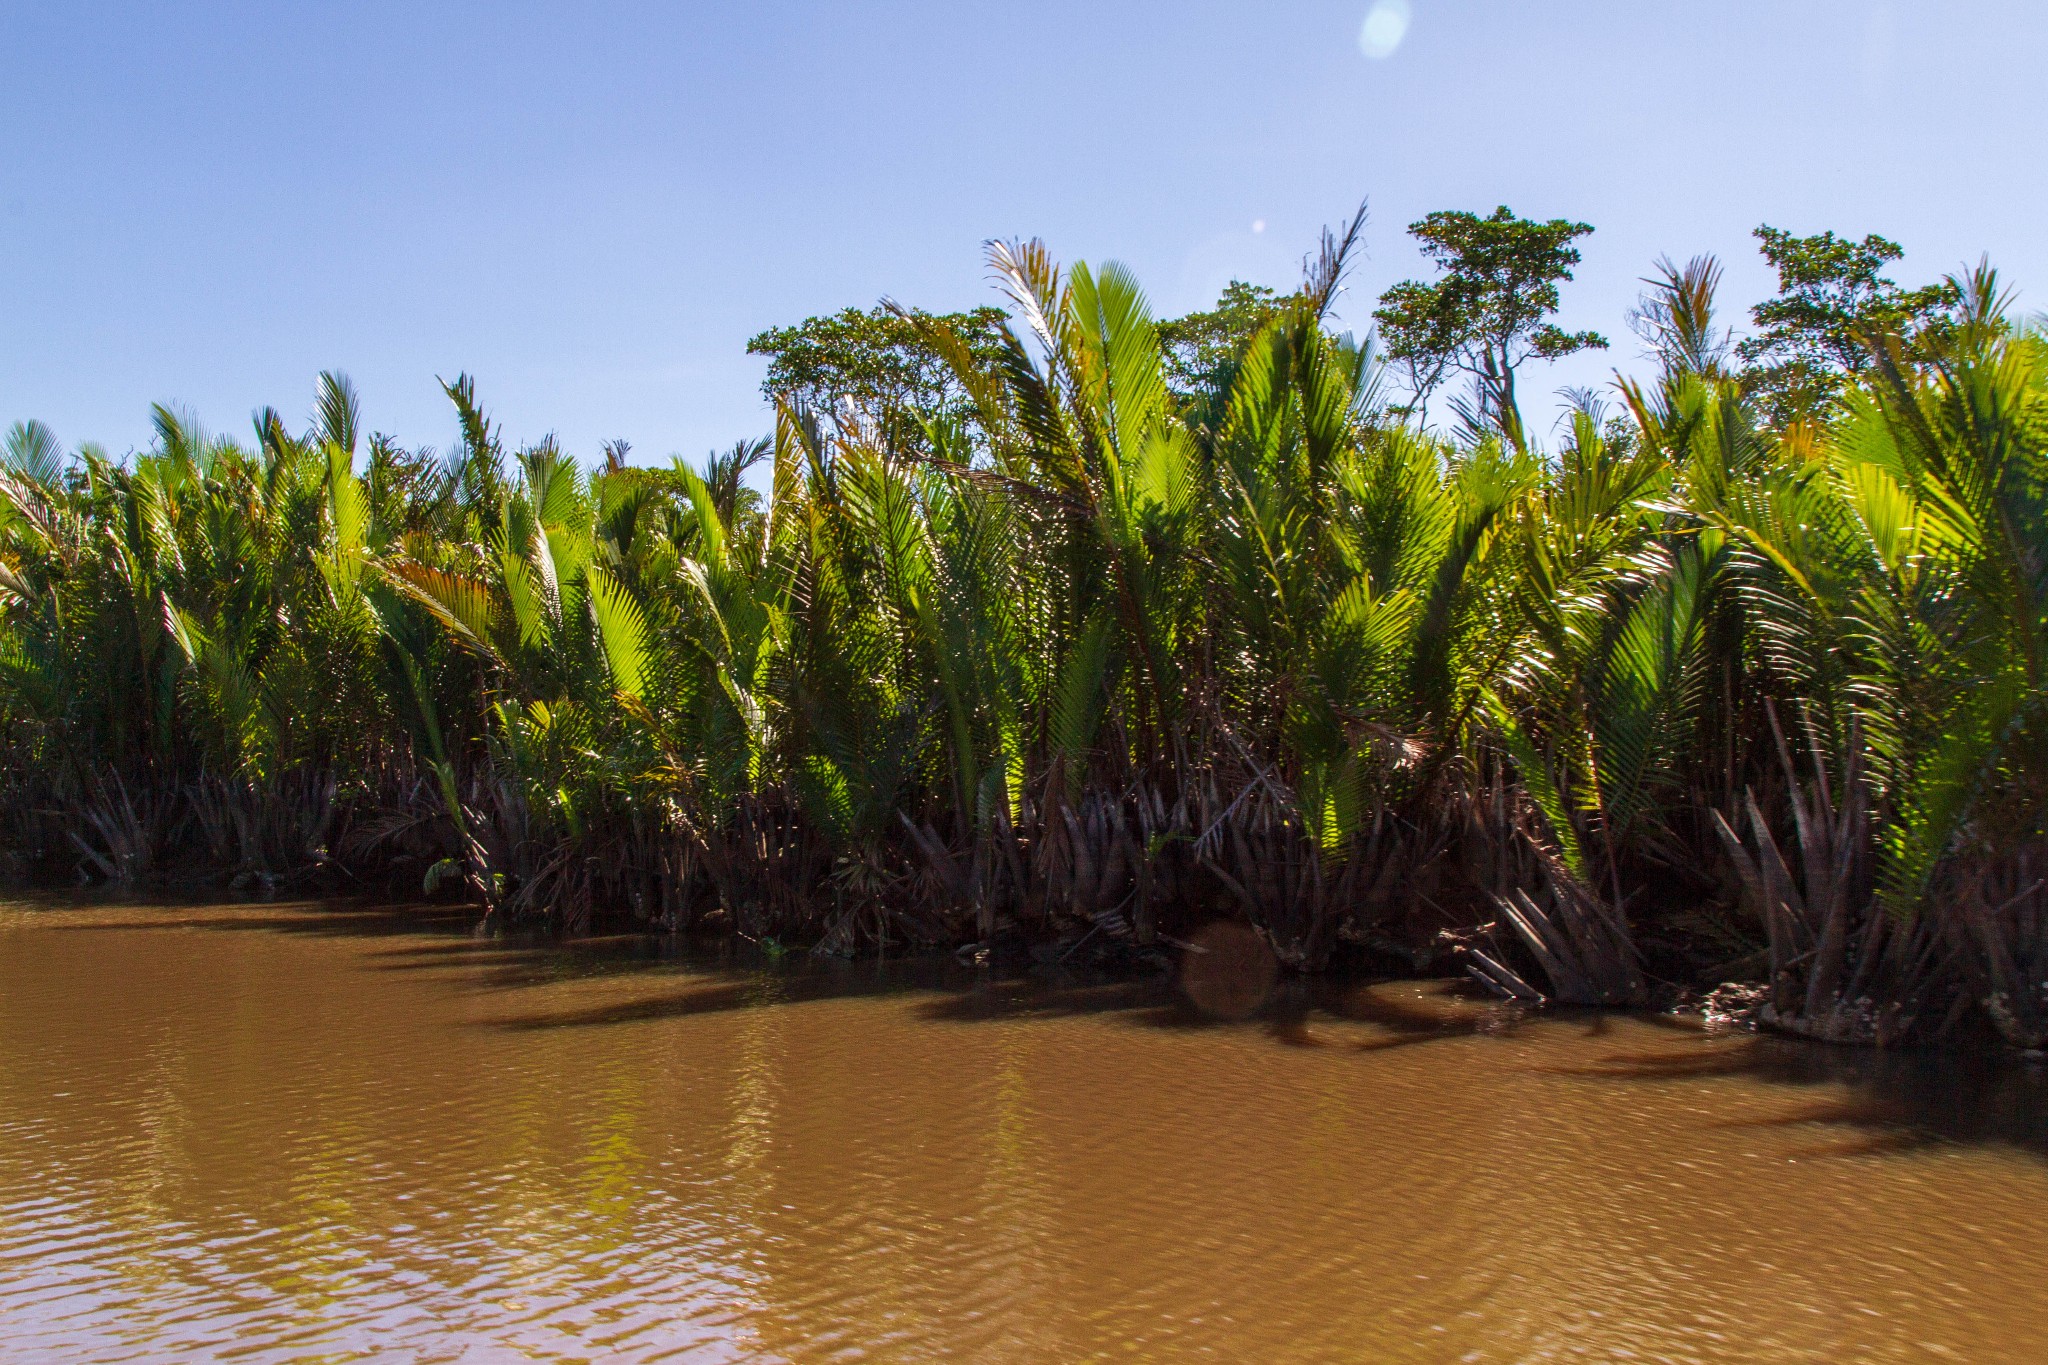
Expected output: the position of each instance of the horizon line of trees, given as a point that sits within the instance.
(1466, 333)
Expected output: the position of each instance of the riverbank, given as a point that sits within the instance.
(1737, 684)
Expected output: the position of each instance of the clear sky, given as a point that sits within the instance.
(592, 206)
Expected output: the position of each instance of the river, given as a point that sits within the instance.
(320, 1132)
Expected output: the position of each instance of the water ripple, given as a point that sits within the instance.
(279, 1135)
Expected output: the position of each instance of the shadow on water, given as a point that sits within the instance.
(1878, 1102)
(320, 918)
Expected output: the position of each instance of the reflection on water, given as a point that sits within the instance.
(317, 1133)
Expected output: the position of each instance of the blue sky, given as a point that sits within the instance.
(592, 206)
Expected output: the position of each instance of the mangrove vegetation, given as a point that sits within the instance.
(1059, 626)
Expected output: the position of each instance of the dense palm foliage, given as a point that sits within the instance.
(1090, 657)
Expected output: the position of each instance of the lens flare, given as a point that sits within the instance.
(1384, 28)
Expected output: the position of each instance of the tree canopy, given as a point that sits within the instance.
(1832, 299)
(1204, 348)
(1488, 311)
(877, 359)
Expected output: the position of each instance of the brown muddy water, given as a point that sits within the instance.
(323, 1133)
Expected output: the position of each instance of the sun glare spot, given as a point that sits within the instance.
(1258, 225)
(1384, 28)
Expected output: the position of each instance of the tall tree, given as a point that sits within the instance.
(1832, 296)
(1203, 349)
(878, 360)
(1487, 313)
